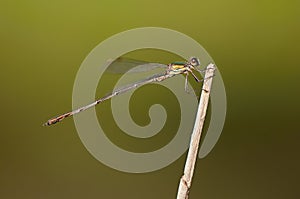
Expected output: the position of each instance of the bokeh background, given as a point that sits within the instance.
(255, 45)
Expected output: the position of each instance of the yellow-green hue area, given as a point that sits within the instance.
(255, 45)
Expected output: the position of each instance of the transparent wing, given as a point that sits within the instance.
(122, 65)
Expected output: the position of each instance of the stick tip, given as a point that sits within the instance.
(211, 66)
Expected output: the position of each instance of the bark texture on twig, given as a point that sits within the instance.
(186, 179)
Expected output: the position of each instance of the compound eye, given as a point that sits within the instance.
(195, 61)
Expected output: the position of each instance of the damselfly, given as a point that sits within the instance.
(171, 70)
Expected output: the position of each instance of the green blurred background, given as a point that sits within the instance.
(255, 45)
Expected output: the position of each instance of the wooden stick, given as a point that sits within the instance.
(186, 179)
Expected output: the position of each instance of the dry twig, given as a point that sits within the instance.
(186, 179)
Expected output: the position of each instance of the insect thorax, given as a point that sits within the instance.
(176, 67)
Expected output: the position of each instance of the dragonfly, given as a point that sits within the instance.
(171, 70)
